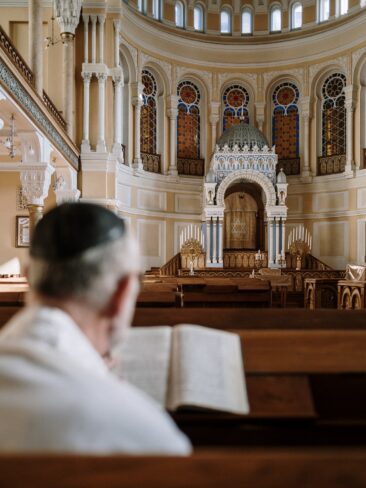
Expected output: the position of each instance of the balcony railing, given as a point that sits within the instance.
(10, 50)
(290, 166)
(151, 162)
(329, 165)
(191, 167)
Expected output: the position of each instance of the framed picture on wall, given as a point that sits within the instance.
(22, 232)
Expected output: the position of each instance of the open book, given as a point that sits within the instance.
(185, 366)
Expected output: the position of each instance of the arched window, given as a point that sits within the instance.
(156, 9)
(198, 18)
(148, 113)
(140, 5)
(333, 115)
(179, 14)
(188, 130)
(324, 10)
(342, 7)
(246, 21)
(285, 127)
(296, 15)
(235, 100)
(276, 19)
(225, 21)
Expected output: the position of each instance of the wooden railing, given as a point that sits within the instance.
(18, 61)
(151, 162)
(172, 267)
(191, 167)
(329, 165)
(12, 53)
(290, 166)
(53, 110)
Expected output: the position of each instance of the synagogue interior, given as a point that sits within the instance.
(230, 136)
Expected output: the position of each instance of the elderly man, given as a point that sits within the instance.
(56, 392)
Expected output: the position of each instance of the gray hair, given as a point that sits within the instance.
(91, 278)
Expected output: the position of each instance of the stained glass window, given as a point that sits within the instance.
(276, 19)
(285, 126)
(188, 127)
(235, 106)
(333, 115)
(148, 113)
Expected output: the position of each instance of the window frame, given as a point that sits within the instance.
(182, 6)
(247, 9)
(199, 6)
(226, 9)
(320, 10)
(273, 9)
(292, 15)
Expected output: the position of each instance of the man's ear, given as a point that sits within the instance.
(115, 303)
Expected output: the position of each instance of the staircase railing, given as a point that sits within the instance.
(172, 267)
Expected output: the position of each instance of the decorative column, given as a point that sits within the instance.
(137, 89)
(305, 118)
(283, 236)
(277, 219)
(221, 241)
(349, 123)
(208, 242)
(214, 239)
(259, 111)
(173, 115)
(101, 147)
(117, 144)
(270, 222)
(86, 38)
(101, 19)
(85, 145)
(67, 14)
(35, 182)
(94, 19)
(214, 118)
(36, 43)
(64, 194)
(117, 29)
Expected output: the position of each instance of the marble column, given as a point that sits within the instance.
(101, 19)
(137, 161)
(101, 147)
(277, 239)
(208, 242)
(270, 223)
(173, 114)
(36, 43)
(259, 108)
(213, 121)
(283, 236)
(86, 38)
(221, 241)
(35, 182)
(94, 18)
(68, 81)
(118, 83)
(117, 29)
(349, 128)
(305, 173)
(85, 145)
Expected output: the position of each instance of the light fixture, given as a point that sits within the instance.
(50, 40)
(31, 150)
(9, 142)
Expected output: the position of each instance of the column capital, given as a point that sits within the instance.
(101, 18)
(67, 15)
(93, 18)
(86, 76)
(117, 25)
(86, 19)
(172, 101)
(118, 79)
(172, 113)
(215, 108)
(35, 180)
(102, 77)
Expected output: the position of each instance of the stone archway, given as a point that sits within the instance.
(250, 176)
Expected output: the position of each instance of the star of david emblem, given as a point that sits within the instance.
(238, 228)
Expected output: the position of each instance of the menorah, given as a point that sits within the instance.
(299, 243)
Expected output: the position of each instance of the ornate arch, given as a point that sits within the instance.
(251, 176)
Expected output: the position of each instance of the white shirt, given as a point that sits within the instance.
(57, 395)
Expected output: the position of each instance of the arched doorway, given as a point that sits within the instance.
(243, 217)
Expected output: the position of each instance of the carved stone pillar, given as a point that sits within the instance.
(270, 228)
(94, 19)
(35, 181)
(118, 83)
(305, 118)
(68, 14)
(65, 186)
(85, 146)
(173, 115)
(36, 43)
(86, 38)
(101, 19)
(214, 118)
(101, 147)
(350, 106)
(259, 109)
(137, 103)
(117, 29)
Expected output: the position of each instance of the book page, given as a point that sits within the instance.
(207, 370)
(143, 359)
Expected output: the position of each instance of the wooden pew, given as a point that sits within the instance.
(281, 468)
